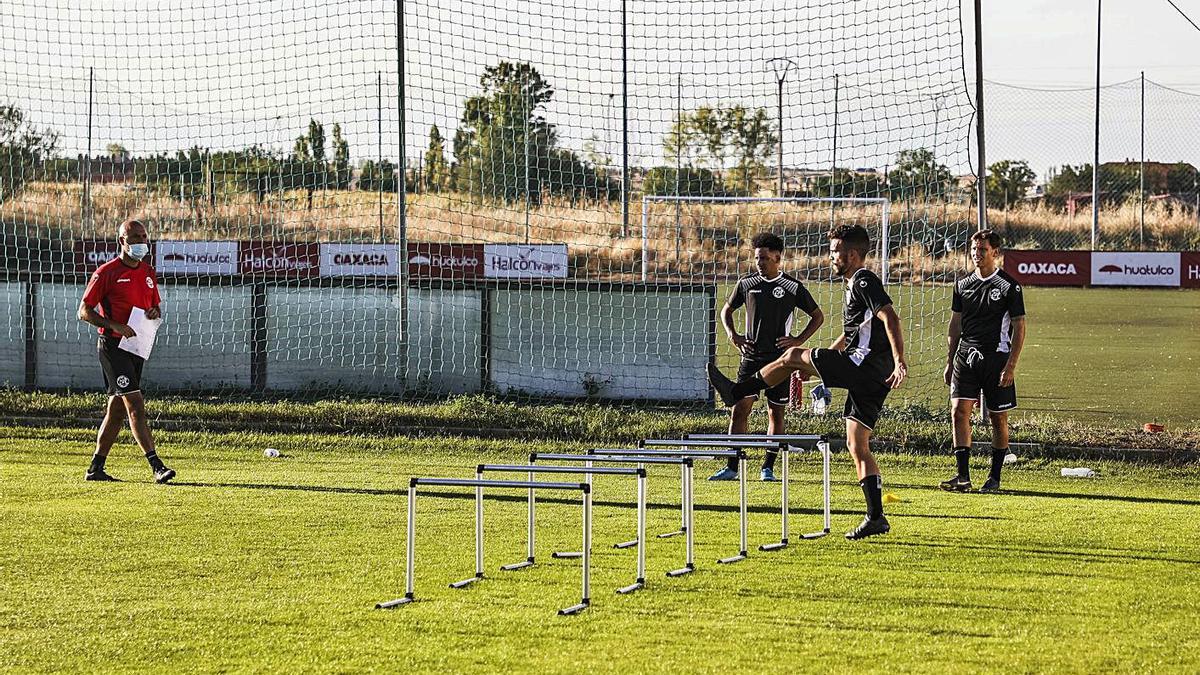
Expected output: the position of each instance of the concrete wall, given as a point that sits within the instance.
(12, 334)
(561, 342)
(544, 341)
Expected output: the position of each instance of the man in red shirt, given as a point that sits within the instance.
(116, 288)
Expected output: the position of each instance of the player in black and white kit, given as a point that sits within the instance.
(987, 331)
(770, 297)
(867, 361)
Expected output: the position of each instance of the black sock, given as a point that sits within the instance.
(962, 457)
(97, 463)
(155, 462)
(749, 387)
(997, 462)
(769, 459)
(732, 462)
(872, 487)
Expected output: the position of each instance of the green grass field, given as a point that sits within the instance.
(1118, 357)
(256, 564)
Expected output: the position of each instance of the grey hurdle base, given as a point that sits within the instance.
(478, 484)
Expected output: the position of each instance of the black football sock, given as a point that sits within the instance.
(732, 462)
(749, 387)
(997, 462)
(962, 457)
(155, 462)
(769, 459)
(97, 463)
(872, 487)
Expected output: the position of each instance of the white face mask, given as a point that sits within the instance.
(138, 251)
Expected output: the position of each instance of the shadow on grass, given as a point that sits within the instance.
(1089, 556)
(1065, 495)
(718, 508)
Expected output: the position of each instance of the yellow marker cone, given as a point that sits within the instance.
(891, 498)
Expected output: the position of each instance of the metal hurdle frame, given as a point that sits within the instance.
(589, 471)
(821, 443)
(776, 446)
(479, 484)
(688, 491)
(686, 466)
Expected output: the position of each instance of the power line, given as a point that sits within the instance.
(1189, 20)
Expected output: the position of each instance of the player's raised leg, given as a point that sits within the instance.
(795, 359)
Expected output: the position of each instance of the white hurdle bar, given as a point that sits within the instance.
(479, 485)
(685, 464)
(639, 473)
(688, 490)
(820, 442)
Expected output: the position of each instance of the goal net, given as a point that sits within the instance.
(397, 199)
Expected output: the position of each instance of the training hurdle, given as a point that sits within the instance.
(771, 446)
(479, 484)
(639, 473)
(685, 464)
(791, 443)
(688, 491)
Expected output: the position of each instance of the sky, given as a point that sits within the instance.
(231, 73)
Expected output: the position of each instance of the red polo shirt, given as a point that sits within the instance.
(117, 288)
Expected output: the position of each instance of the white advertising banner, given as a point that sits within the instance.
(196, 257)
(533, 261)
(1135, 269)
(360, 260)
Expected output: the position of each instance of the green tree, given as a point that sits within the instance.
(1008, 181)
(437, 171)
(693, 182)
(917, 173)
(753, 139)
(341, 159)
(1070, 179)
(377, 176)
(308, 170)
(23, 149)
(505, 149)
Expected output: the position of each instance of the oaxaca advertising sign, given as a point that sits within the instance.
(196, 257)
(1049, 268)
(360, 260)
(533, 261)
(1122, 268)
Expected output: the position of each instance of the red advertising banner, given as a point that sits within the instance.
(1189, 276)
(287, 260)
(1049, 268)
(445, 261)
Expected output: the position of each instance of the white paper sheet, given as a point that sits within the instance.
(146, 329)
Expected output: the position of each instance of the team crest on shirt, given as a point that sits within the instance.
(149, 282)
(122, 381)
(995, 294)
(778, 292)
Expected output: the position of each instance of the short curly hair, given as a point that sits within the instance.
(992, 237)
(767, 240)
(854, 237)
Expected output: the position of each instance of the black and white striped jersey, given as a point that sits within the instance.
(866, 337)
(769, 307)
(988, 306)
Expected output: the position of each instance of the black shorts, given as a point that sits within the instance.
(122, 370)
(975, 372)
(864, 384)
(780, 394)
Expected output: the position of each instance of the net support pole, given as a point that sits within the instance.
(884, 239)
(402, 189)
(645, 240)
(1142, 171)
(981, 166)
(87, 160)
(624, 127)
(1096, 142)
